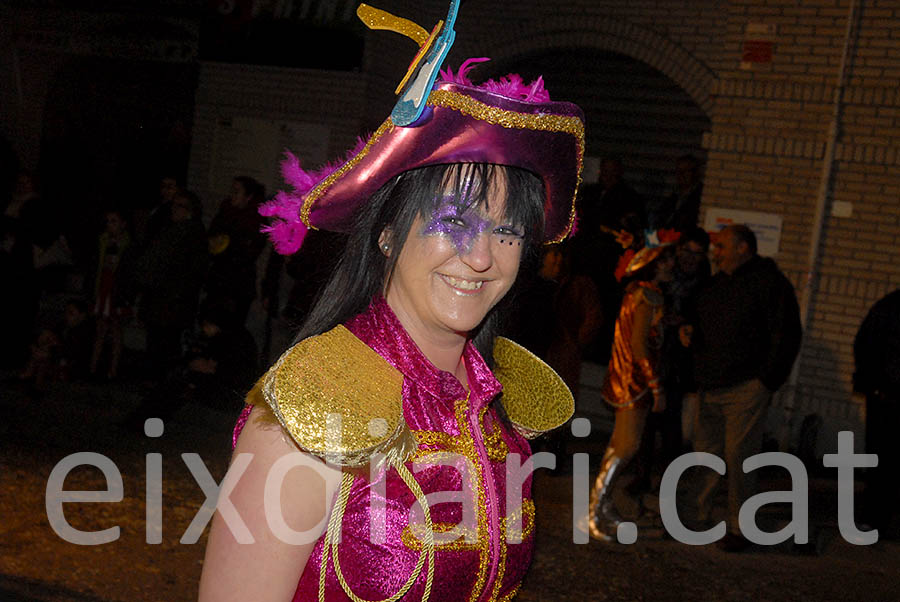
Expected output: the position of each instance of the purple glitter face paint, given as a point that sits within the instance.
(462, 228)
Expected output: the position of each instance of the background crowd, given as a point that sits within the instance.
(157, 296)
(194, 311)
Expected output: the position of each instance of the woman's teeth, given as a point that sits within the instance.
(466, 285)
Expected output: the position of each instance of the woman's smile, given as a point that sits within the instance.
(462, 286)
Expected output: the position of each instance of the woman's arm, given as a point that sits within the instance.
(269, 568)
(640, 332)
(640, 348)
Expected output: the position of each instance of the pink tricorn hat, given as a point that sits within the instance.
(504, 122)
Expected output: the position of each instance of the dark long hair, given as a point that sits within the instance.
(363, 271)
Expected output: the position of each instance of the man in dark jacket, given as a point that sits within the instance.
(876, 351)
(235, 242)
(745, 337)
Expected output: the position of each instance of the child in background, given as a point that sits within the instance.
(61, 353)
(110, 307)
(43, 362)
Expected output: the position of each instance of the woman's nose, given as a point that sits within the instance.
(479, 256)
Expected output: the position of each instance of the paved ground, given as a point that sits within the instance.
(37, 565)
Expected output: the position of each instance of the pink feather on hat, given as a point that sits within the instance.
(287, 230)
(511, 85)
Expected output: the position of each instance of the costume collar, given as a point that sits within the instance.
(379, 328)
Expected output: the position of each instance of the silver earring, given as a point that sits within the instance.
(385, 247)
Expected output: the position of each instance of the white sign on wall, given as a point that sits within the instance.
(766, 226)
(249, 146)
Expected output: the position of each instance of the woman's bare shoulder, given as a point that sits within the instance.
(273, 507)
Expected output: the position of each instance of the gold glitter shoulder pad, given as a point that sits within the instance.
(339, 400)
(534, 396)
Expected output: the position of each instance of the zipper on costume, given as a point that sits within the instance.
(491, 490)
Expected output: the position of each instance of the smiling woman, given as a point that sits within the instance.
(462, 252)
(387, 403)
(467, 219)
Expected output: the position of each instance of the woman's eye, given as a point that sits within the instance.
(454, 220)
(508, 231)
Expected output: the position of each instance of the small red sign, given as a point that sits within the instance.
(757, 51)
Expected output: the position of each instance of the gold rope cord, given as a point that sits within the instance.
(333, 534)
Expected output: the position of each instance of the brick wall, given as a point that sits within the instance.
(769, 152)
(334, 99)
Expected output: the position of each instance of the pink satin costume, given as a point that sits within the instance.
(443, 418)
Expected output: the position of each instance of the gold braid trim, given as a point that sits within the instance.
(494, 445)
(541, 122)
(332, 538)
(325, 184)
(413, 534)
(508, 597)
(510, 526)
(524, 121)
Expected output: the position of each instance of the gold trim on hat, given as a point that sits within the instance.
(523, 121)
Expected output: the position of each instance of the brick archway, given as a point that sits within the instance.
(614, 35)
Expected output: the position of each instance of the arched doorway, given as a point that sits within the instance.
(632, 110)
